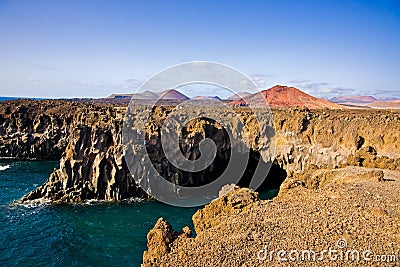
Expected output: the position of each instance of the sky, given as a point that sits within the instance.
(95, 48)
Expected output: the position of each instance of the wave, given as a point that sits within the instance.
(5, 167)
(41, 202)
(37, 203)
(122, 201)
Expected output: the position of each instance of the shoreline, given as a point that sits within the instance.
(28, 159)
(85, 136)
(348, 214)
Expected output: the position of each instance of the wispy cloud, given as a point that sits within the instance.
(384, 93)
(83, 83)
(52, 69)
(129, 83)
(327, 90)
(133, 81)
(31, 79)
(322, 89)
(261, 80)
(199, 89)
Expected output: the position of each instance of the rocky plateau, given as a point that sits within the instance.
(87, 139)
(337, 170)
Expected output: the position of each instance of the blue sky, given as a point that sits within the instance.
(95, 48)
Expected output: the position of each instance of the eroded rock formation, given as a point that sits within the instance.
(31, 129)
(92, 164)
(233, 202)
(159, 240)
(86, 137)
(337, 138)
(349, 211)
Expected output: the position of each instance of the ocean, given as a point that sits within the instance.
(101, 234)
(5, 98)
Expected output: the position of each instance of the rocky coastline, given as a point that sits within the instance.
(87, 139)
(338, 172)
(352, 219)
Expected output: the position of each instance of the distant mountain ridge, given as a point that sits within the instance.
(283, 97)
(367, 102)
(238, 96)
(206, 97)
(388, 98)
(353, 99)
(394, 104)
(277, 96)
(171, 94)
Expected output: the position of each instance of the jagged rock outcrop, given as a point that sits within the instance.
(32, 129)
(92, 165)
(87, 139)
(159, 239)
(335, 138)
(318, 178)
(41, 129)
(236, 201)
(348, 214)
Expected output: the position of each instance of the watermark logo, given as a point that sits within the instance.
(340, 252)
(341, 243)
(164, 155)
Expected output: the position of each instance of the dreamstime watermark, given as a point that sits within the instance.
(339, 252)
(166, 147)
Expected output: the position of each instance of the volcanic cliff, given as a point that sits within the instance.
(351, 219)
(87, 139)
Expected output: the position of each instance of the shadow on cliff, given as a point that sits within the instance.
(191, 135)
(273, 179)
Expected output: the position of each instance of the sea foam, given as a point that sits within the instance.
(5, 167)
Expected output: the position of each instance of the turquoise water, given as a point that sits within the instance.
(73, 235)
(4, 98)
(77, 235)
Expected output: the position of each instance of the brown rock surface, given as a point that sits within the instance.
(159, 239)
(87, 138)
(343, 215)
(33, 129)
(335, 138)
(342, 167)
(218, 210)
(318, 178)
(92, 165)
